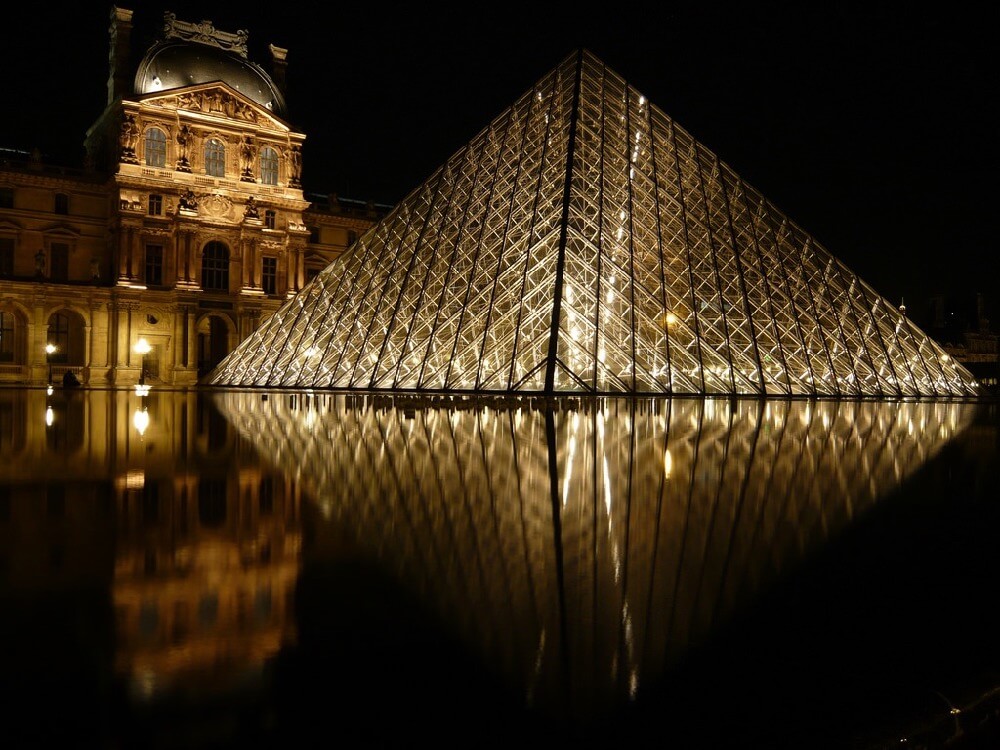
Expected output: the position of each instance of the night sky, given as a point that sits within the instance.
(872, 129)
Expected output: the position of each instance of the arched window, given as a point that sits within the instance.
(66, 331)
(268, 166)
(156, 148)
(59, 336)
(215, 158)
(215, 267)
(9, 331)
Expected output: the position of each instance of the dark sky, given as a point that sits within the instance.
(872, 128)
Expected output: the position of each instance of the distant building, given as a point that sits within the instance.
(962, 326)
(188, 226)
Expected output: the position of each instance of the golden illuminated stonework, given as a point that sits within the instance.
(583, 242)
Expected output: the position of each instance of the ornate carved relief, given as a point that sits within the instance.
(217, 206)
(216, 101)
(205, 33)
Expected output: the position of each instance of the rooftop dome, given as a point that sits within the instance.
(188, 58)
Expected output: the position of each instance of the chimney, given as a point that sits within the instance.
(120, 32)
(279, 65)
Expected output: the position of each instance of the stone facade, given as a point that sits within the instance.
(188, 228)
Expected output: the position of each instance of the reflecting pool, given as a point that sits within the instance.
(219, 568)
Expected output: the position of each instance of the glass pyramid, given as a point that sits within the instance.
(583, 242)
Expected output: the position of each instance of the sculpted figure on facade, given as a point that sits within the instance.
(130, 137)
(188, 201)
(246, 112)
(183, 143)
(248, 154)
(189, 101)
(251, 211)
(296, 173)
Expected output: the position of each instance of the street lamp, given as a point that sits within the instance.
(142, 348)
(50, 349)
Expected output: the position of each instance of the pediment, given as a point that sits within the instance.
(9, 227)
(216, 99)
(311, 256)
(61, 230)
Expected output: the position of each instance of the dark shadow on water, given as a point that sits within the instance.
(870, 646)
(376, 669)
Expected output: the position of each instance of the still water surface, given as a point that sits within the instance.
(279, 569)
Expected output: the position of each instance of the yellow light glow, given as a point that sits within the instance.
(49, 417)
(141, 421)
(142, 346)
(135, 480)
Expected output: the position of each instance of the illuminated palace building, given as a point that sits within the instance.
(187, 228)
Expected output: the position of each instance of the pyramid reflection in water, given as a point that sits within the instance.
(585, 243)
(585, 551)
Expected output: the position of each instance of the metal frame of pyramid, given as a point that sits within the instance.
(585, 243)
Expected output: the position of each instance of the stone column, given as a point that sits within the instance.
(124, 243)
(98, 347)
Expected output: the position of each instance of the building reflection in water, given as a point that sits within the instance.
(153, 516)
(581, 548)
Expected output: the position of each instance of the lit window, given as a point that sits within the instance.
(156, 148)
(215, 158)
(268, 166)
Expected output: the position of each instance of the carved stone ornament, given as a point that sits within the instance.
(206, 33)
(217, 206)
(216, 102)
